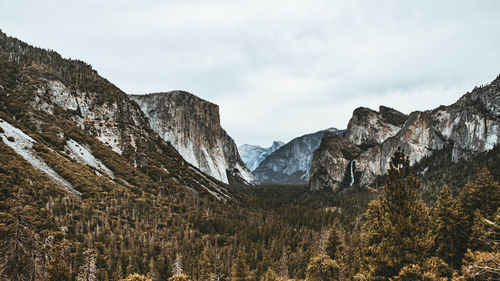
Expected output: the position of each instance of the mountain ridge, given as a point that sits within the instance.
(469, 126)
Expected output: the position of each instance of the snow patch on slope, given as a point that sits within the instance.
(83, 155)
(23, 145)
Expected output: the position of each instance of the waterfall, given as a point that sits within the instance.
(352, 175)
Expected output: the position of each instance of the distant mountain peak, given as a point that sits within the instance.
(253, 155)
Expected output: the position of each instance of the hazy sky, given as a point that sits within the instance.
(277, 69)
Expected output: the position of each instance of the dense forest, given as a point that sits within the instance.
(272, 233)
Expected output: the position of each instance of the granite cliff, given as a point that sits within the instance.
(192, 126)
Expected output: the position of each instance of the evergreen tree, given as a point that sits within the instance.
(448, 228)
(333, 244)
(322, 268)
(482, 194)
(396, 231)
(477, 239)
(58, 269)
(206, 267)
(20, 248)
(270, 275)
(240, 270)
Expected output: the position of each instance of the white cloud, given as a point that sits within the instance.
(277, 69)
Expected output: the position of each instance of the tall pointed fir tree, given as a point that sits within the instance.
(240, 270)
(396, 230)
(448, 228)
(322, 268)
(20, 247)
(482, 194)
(206, 267)
(333, 244)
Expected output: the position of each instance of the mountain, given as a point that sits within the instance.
(65, 106)
(88, 188)
(467, 127)
(253, 155)
(290, 163)
(192, 126)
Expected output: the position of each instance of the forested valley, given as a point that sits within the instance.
(278, 233)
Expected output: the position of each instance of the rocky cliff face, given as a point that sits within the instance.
(290, 164)
(371, 127)
(71, 106)
(253, 155)
(192, 126)
(468, 127)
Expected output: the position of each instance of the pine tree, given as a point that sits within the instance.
(477, 239)
(20, 248)
(396, 231)
(206, 267)
(58, 268)
(240, 270)
(322, 268)
(482, 194)
(270, 275)
(333, 244)
(448, 228)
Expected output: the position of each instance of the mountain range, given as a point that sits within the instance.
(253, 155)
(468, 127)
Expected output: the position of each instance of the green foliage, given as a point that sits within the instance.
(449, 228)
(136, 277)
(333, 244)
(270, 275)
(322, 268)
(240, 270)
(396, 231)
(482, 194)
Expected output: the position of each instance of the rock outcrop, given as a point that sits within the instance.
(253, 155)
(468, 127)
(192, 126)
(290, 164)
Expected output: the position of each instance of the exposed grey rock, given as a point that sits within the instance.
(290, 164)
(469, 126)
(192, 126)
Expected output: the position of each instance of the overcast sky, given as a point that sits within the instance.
(277, 69)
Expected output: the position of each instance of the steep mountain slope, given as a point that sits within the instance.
(253, 155)
(89, 185)
(192, 126)
(468, 127)
(70, 106)
(290, 164)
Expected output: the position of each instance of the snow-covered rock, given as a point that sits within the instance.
(192, 126)
(22, 144)
(83, 155)
(253, 155)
